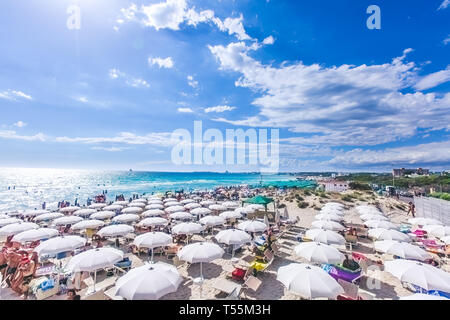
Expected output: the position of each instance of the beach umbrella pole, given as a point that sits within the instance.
(95, 278)
(152, 256)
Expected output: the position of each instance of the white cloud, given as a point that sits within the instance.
(446, 40)
(192, 82)
(109, 149)
(219, 109)
(444, 4)
(130, 81)
(155, 138)
(269, 40)
(434, 79)
(185, 110)
(10, 134)
(14, 95)
(20, 124)
(82, 99)
(161, 62)
(172, 13)
(336, 105)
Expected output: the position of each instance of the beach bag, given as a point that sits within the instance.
(238, 274)
(47, 284)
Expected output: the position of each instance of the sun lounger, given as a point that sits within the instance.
(110, 294)
(226, 286)
(251, 283)
(97, 295)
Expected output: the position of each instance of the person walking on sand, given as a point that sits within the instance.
(411, 209)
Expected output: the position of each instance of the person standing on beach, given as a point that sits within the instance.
(412, 209)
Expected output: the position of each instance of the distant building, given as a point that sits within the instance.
(405, 172)
(334, 185)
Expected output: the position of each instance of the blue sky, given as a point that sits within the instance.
(109, 95)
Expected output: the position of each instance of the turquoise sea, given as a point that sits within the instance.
(29, 188)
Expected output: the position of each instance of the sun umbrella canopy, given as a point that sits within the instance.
(256, 207)
(380, 224)
(187, 228)
(244, 210)
(233, 236)
(200, 252)
(69, 209)
(207, 203)
(5, 222)
(115, 230)
(193, 205)
(48, 216)
(60, 244)
(200, 211)
(137, 204)
(121, 203)
(4, 216)
(388, 234)
(170, 200)
(212, 220)
(152, 240)
(230, 204)
(139, 200)
(402, 249)
(102, 215)
(437, 230)
(132, 210)
(230, 215)
(153, 213)
(154, 206)
(126, 218)
(35, 212)
(153, 221)
(367, 210)
(252, 226)
(181, 216)
(15, 228)
(113, 207)
(319, 253)
(94, 259)
(97, 205)
(325, 236)
(64, 221)
(328, 216)
(423, 296)
(420, 274)
(84, 212)
(310, 282)
(371, 216)
(446, 239)
(35, 234)
(329, 210)
(148, 282)
(262, 200)
(327, 225)
(424, 221)
(334, 205)
(175, 209)
(88, 224)
(217, 207)
(172, 204)
(186, 201)
(154, 201)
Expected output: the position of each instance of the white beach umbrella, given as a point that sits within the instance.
(148, 282)
(5, 222)
(420, 274)
(233, 236)
(370, 216)
(15, 228)
(125, 218)
(252, 226)
(88, 224)
(244, 210)
(155, 201)
(446, 239)
(115, 230)
(364, 209)
(200, 252)
(327, 225)
(170, 200)
(388, 234)
(423, 296)
(187, 228)
(207, 203)
(113, 207)
(48, 216)
(93, 260)
(380, 224)
(217, 207)
(328, 216)
(437, 230)
(64, 221)
(424, 221)
(132, 210)
(139, 200)
(154, 206)
(212, 220)
(152, 240)
(319, 253)
(402, 249)
(97, 205)
(153, 213)
(175, 209)
(137, 204)
(59, 244)
(4, 216)
(121, 203)
(102, 215)
(230, 204)
(153, 221)
(334, 205)
(332, 211)
(191, 206)
(200, 211)
(186, 201)
(180, 216)
(256, 207)
(172, 204)
(84, 212)
(309, 282)
(325, 236)
(230, 215)
(34, 213)
(35, 234)
(69, 209)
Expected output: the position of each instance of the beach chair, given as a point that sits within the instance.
(268, 256)
(227, 286)
(251, 283)
(351, 241)
(350, 290)
(177, 262)
(97, 295)
(170, 252)
(276, 250)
